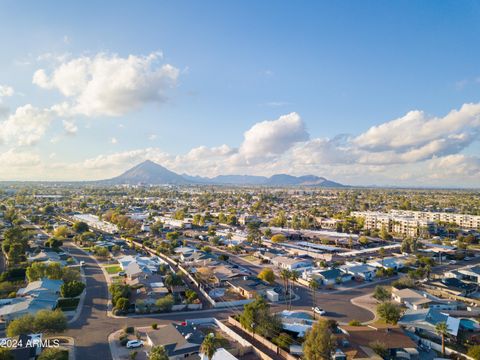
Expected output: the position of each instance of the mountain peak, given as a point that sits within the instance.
(149, 172)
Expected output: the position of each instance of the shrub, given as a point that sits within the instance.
(154, 326)
(72, 289)
(129, 329)
(53, 354)
(354, 323)
(165, 304)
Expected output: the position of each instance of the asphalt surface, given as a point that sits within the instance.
(93, 326)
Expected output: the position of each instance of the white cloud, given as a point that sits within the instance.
(152, 137)
(270, 138)
(109, 85)
(415, 130)
(14, 158)
(113, 140)
(26, 126)
(6, 91)
(70, 127)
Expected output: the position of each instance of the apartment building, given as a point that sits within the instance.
(462, 220)
(396, 223)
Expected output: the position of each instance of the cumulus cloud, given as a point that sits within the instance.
(26, 126)
(70, 127)
(109, 85)
(270, 138)
(416, 136)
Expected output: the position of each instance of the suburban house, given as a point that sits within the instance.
(395, 263)
(471, 273)
(354, 342)
(424, 321)
(291, 263)
(38, 295)
(359, 271)
(416, 300)
(250, 287)
(327, 277)
(135, 266)
(454, 286)
(179, 341)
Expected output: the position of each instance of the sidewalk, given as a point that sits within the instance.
(367, 302)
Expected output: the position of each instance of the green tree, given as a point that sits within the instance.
(389, 312)
(61, 231)
(158, 353)
(441, 329)
(254, 235)
(72, 289)
(165, 304)
(22, 325)
(50, 321)
(319, 342)
(267, 275)
(80, 227)
(53, 354)
(15, 253)
(122, 304)
(53, 243)
(209, 346)
(256, 317)
(381, 293)
(285, 275)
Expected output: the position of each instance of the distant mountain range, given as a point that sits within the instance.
(151, 173)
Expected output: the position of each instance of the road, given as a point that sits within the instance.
(93, 326)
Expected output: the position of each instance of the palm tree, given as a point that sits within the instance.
(442, 329)
(209, 346)
(294, 277)
(312, 284)
(285, 275)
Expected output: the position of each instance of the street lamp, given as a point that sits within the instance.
(253, 329)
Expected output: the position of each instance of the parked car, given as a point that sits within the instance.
(132, 344)
(319, 310)
(467, 258)
(452, 262)
(82, 263)
(122, 273)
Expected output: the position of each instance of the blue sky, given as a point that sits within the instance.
(338, 67)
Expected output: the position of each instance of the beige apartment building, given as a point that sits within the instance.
(462, 220)
(402, 225)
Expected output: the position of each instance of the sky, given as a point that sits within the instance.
(364, 93)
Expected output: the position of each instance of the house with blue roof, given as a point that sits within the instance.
(425, 320)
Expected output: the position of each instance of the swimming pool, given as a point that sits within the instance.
(469, 324)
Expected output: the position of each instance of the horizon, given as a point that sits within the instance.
(368, 95)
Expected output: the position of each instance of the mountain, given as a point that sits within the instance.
(149, 172)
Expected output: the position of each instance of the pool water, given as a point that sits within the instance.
(469, 324)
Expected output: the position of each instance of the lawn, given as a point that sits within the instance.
(113, 269)
(251, 259)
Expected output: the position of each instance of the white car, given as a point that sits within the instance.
(82, 263)
(452, 262)
(318, 310)
(132, 344)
